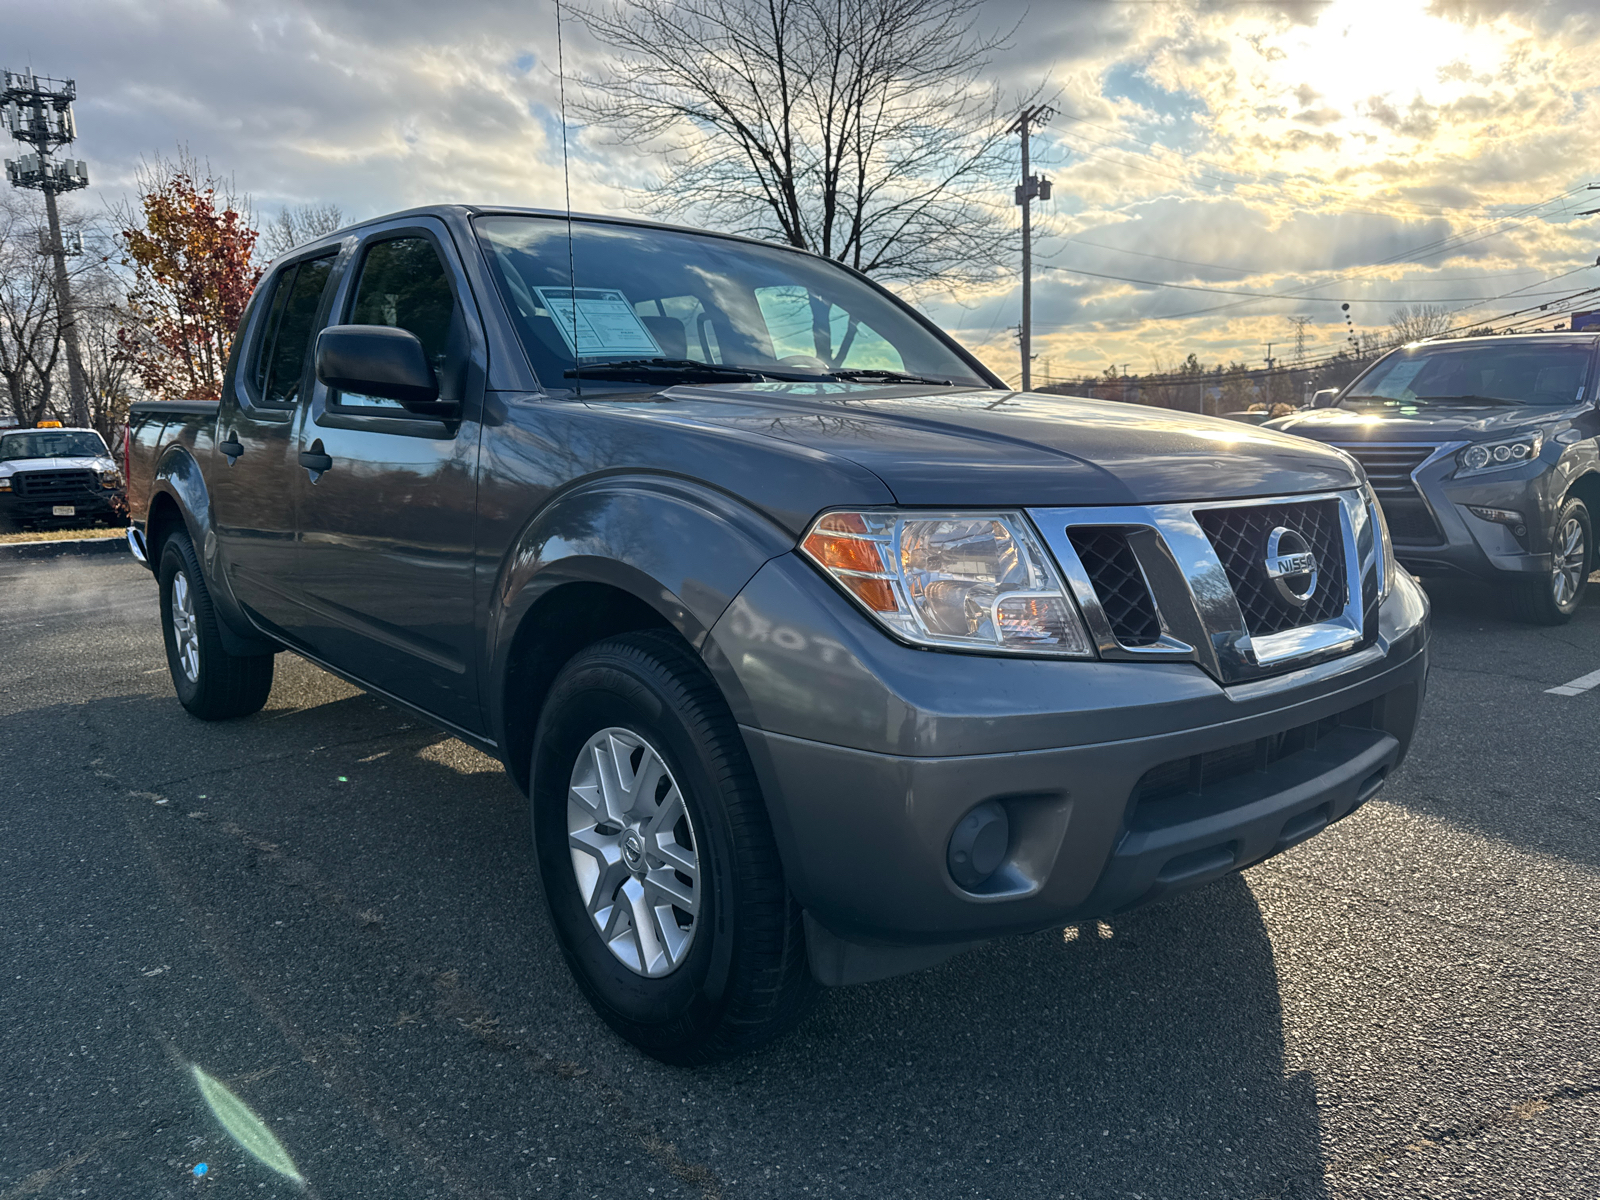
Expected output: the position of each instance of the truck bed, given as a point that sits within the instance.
(153, 426)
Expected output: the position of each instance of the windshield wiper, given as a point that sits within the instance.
(645, 368)
(1470, 399)
(861, 374)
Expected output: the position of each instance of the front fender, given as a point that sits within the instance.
(682, 548)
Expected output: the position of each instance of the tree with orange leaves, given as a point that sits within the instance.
(190, 245)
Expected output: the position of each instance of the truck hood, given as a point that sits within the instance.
(976, 447)
(14, 465)
(1433, 424)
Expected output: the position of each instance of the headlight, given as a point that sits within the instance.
(1380, 528)
(5, 484)
(110, 479)
(962, 581)
(1495, 456)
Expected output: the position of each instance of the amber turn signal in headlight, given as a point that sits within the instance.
(959, 581)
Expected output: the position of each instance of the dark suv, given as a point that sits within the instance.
(1483, 453)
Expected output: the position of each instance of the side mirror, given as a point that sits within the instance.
(376, 360)
(1326, 398)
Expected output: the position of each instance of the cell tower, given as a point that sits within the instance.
(38, 111)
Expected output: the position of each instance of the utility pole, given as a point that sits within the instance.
(38, 111)
(1269, 356)
(1032, 187)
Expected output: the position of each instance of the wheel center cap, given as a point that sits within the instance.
(633, 850)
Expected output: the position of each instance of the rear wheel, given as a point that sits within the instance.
(211, 683)
(659, 864)
(1552, 599)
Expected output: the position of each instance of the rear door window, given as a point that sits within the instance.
(281, 357)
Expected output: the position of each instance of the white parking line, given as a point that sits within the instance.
(1576, 687)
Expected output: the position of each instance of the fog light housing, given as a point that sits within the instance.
(1501, 516)
(979, 844)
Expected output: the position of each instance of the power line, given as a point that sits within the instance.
(1189, 262)
(1195, 287)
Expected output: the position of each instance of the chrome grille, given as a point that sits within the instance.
(1188, 582)
(1389, 468)
(1114, 571)
(1239, 535)
(52, 485)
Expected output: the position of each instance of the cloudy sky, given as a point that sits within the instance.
(1374, 152)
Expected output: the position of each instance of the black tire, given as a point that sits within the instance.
(744, 977)
(1553, 598)
(213, 684)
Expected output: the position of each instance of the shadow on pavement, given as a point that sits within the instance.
(1495, 753)
(1142, 1057)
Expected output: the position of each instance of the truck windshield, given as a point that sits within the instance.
(1475, 375)
(647, 294)
(53, 443)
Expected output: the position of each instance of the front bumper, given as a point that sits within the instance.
(1467, 544)
(87, 505)
(1088, 759)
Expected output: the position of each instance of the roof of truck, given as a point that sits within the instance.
(507, 210)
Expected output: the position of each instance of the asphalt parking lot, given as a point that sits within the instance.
(333, 909)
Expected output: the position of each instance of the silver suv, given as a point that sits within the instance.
(1483, 453)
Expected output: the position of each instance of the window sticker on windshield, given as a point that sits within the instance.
(1396, 385)
(605, 322)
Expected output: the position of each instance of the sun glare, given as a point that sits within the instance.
(1359, 49)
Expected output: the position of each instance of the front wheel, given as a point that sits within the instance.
(1553, 599)
(211, 683)
(659, 865)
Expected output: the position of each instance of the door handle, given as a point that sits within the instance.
(231, 448)
(315, 461)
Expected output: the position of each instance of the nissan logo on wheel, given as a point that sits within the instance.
(1291, 566)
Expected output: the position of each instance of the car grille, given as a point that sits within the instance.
(1389, 469)
(52, 485)
(1118, 582)
(1239, 536)
(1188, 581)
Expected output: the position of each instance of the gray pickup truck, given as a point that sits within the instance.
(1485, 453)
(820, 654)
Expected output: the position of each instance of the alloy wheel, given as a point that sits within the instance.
(633, 851)
(1570, 553)
(185, 630)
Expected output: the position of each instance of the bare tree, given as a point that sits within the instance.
(296, 226)
(30, 336)
(109, 371)
(1417, 321)
(858, 129)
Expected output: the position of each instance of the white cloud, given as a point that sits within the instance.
(1286, 145)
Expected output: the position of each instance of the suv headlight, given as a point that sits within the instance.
(960, 581)
(1496, 456)
(111, 479)
(1380, 528)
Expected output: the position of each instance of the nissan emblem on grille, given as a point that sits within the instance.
(1291, 566)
